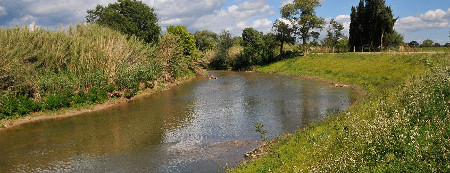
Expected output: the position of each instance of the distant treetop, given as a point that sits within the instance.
(129, 17)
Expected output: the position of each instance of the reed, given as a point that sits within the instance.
(37, 63)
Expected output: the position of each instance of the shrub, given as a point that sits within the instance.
(53, 102)
(96, 95)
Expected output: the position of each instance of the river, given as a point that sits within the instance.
(204, 125)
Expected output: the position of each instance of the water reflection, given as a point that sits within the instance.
(201, 126)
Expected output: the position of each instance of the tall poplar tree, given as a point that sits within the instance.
(371, 20)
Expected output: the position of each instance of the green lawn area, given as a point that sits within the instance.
(401, 124)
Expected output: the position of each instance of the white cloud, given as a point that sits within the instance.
(3, 11)
(195, 14)
(249, 9)
(344, 20)
(437, 15)
(430, 20)
(213, 14)
(183, 11)
(263, 25)
(26, 20)
(237, 17)
(50, 7)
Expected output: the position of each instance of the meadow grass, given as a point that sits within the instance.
(432, 49)
(401, 125)
(86, 64)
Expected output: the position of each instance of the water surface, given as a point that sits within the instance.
(204, 125)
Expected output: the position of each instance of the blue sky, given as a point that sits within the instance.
(418, 19)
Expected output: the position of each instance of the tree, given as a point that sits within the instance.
(302, 16)
(224, 43)
(413, 44)
(334, 34)
(393, 39)
(343, 43)
(186, 38)
(283, 33)
(205, 39)
(381, 20)
(447, 45)
(258, 49)
(437, 45)
(427, 43)
(253, 44)
(371, 20)
(129, 17)
(357, 25)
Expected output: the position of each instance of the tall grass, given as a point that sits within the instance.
(402, 125)
(85, 64)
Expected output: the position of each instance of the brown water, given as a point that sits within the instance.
(201, 126)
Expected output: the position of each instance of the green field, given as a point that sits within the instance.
(400, 125)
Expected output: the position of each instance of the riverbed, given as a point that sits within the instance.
(204, 125)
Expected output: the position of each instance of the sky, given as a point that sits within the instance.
(417, 19)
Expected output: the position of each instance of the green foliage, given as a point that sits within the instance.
(427, 43)
(413, 44)
(225, 42)
(206, 40)
(371, 21)
(78, 98)
(55, 102)
(129, 77)
(50, 70)
(260, 129)
(129, 17)
(171, 52)
(258, 49)
(129, 94)
(303, 17)
(187, 40)
(17, 106)
(334, 34)
(400, 126)
(284, 33)
(393, 39)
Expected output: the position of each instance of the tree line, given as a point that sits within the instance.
(371, 29)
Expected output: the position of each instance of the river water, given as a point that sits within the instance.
(205, 125)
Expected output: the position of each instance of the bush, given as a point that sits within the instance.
(12, 105)
(171, 55)
(54, 102)
(96, 95)
(78, 98)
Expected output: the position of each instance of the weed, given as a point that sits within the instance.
(260, 129)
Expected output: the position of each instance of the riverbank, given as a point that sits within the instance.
(6, 124)
(46, 71)
(401, 124)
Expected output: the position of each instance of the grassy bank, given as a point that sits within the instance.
(402, 124)
(87, 64)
